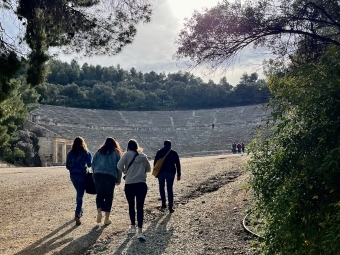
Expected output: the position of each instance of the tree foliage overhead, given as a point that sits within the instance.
(214, 37)
(84, 27)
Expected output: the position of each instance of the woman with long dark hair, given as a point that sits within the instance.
(106, 176)
(135, 164)
(77, 161)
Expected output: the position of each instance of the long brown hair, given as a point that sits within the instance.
(134, 146)
(78, 145)
(109, 146)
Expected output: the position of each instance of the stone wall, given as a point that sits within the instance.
(46, 150)
(52, 145)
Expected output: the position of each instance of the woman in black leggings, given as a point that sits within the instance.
(135, 164)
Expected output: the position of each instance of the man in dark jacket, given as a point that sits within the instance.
(170, 166)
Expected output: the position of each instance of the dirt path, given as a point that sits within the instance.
(38, 206)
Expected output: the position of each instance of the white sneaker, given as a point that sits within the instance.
(107, 222)
(140, 236)
(132, 230)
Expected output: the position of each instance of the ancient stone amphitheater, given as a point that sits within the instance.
(192, 132)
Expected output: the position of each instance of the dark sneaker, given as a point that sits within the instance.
(77, 220)
(171, 210)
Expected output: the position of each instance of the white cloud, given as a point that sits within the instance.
(184, 8)
(153, 47)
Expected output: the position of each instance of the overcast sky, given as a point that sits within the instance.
(153, 47)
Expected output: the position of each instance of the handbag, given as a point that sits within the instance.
(124, 177)
(90, 187)
(158, 165)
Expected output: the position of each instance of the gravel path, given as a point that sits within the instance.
(210, 202)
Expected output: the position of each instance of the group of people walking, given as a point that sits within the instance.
(108, 165)
(237, 147)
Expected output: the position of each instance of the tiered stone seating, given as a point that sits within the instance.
(183, 119)
(227, 115)
(191, 140)
(221, 139)
(136, 119)
(112, 118)
(57, 115)
(168, 135)
(237, 124)
(159, 119)
(151, 139)
(90, 117)
(45, 114)
(190, 131)
(205, 117)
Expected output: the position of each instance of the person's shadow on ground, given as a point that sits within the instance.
(157, 237)
(57, 238)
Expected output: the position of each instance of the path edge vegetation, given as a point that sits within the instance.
(295, 169)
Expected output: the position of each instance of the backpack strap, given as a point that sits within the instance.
(132, 161)
(167, 153)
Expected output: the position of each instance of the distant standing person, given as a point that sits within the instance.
(77, 161)
(135, 165)
(242, 145)
(239, 147)
(167, 173)
(234, 147)
(106, 176)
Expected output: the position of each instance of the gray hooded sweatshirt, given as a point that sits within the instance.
(137, 171)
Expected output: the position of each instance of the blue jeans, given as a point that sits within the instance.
(105, 185)
(169, 178)
(78, 180)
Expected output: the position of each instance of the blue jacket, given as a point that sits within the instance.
(78, 163)
(107, 164)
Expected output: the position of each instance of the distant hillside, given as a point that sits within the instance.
(112, 88)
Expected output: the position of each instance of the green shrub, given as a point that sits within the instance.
(296, 169)
(18, 154)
